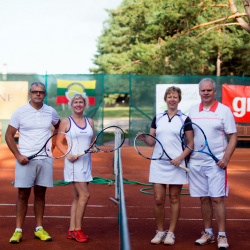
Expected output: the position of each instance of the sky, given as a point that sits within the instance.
(53, 36)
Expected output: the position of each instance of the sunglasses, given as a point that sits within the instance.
(38, 92)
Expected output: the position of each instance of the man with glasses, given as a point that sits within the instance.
(33, 121)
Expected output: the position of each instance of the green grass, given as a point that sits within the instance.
(116, 112)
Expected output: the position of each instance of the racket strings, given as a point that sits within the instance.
(58, 145)
(105, 141)
(152, 150)
(199, 139)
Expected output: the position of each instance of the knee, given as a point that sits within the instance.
(205, 200)
(174, 199)
(23, 194)
(159, 201)
(217, 200)
(85, 197)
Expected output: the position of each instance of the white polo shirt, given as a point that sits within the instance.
(34, 127)
(168, 133)
(216, 122)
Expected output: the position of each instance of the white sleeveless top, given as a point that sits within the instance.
(81, 169)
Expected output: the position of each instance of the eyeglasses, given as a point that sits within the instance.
(38, 92)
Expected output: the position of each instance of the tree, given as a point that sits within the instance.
(160, 37)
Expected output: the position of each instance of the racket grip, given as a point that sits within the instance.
(83, 153)
(215, 158)
(31, 157)
(184, 168)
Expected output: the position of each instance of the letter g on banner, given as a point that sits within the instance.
(239, 105)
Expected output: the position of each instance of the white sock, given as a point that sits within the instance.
(19, 229)
(161, 232)
(222, 234)
(38, 227)
(209, 230)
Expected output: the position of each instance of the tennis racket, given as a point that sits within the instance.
(53, 149)
(153, 150)
(200, 140)
(105, 141)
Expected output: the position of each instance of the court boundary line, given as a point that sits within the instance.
(114, 218)
(69, 205)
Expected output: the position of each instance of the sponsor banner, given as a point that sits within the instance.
(13, 94)
(237, 98)
(190, 97)
(67, 88)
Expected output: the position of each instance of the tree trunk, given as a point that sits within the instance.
(218, 65)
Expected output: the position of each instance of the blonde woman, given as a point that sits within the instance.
(78, 170)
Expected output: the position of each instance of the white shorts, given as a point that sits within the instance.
(36, 172)
(207, 181)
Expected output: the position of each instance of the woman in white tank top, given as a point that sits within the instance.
(78, 170)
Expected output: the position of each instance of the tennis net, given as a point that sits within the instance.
(119, 194)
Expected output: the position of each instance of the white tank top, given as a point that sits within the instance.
(81, 169)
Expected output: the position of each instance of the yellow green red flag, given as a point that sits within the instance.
(67, 88)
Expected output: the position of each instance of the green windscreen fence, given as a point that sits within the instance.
(141, 91)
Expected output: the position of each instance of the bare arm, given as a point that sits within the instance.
(222, 163)
(56, 127)
(91, 122)
(148, 140)
(9, 137)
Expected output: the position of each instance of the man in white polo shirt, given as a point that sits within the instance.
(207, 179)
(33, 121)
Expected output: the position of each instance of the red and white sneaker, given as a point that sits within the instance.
(205, 239)
(80, 236)
(222, 242)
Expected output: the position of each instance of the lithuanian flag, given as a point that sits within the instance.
(67, 88)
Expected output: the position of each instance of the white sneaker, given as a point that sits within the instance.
(159, 237)
(222, 242)
(205, 239)
(169, 240)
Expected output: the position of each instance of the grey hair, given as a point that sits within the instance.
(208, 80)
(77, 96)
(37, 84)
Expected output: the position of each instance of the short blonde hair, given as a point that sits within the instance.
(172, 89)
(77, 96)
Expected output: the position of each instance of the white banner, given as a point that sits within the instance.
(189, 94)
(13, 94)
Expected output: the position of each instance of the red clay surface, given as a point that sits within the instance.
(101, 216)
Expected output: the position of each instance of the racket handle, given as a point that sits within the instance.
(215, 158)
(31, 157)
(184, 168)
(83, 153)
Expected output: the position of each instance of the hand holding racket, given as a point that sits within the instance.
(53, 149)
(151, 148)
(105, 141)
(200, 140)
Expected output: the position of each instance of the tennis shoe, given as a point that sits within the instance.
(169, 240)
(42, 235)
(70, 234)
(159, 237)
(205, 239)
(16, 237)
(222, 242)
(80, 236)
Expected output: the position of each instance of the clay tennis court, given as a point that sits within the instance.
(101, 217)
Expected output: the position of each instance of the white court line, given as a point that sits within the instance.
(113, 218)
(56, 205)
(69, 205)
